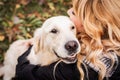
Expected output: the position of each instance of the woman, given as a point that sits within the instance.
(98, 24)
(98, 27)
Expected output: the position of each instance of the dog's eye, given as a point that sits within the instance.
(54, 31)
(73, 27)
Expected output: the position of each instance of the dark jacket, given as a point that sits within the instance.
(27, 71)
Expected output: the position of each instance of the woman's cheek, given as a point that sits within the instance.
(80, 28)
(78, 25)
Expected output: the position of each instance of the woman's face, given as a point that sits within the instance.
(75, 20)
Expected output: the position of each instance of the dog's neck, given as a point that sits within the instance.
(42, 57)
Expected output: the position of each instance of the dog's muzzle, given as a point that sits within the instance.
(72, 51)
(72, 48)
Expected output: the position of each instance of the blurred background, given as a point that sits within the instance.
(19, 18)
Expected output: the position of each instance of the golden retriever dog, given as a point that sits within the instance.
(55, 40)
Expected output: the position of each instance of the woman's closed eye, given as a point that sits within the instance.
(73, 13)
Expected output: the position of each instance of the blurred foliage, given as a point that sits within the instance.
(19, 18)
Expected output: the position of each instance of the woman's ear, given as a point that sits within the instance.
(38, 44)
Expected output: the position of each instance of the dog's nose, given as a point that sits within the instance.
(71, 46)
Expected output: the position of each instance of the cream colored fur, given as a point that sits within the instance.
(45, 42)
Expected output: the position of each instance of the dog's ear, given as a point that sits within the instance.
(38, 42)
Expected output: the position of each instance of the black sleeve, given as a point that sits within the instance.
(116, 75)
(27, 71)
(23, 68)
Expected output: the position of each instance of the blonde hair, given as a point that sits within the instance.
(101, 21)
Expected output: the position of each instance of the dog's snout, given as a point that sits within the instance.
(71, 46)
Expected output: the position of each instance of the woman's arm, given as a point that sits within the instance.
(27, 71)
(23, 68)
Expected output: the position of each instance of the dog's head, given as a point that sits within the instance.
(58, 36)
